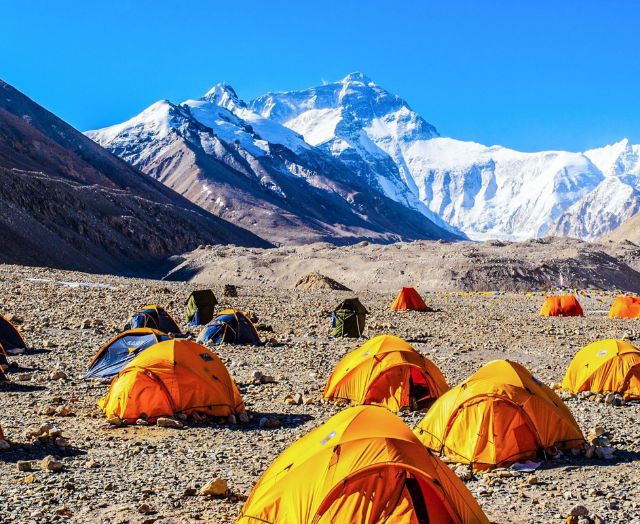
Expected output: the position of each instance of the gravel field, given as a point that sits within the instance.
(153, 474)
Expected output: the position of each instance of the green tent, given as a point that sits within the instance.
(201, 307)
(348, 319)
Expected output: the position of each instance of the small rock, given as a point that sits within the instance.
(145, 509)
(605, 452)
(85, 324)
(613, 399)
(270, 422)
(230, 290)
(24, 465)
(4, 445)
(217, 487)
(579, 511)
(166, 422)
(50, 463)
(58, 374)
(243, 417)
(63, 411)
(231, 419)
(464, 472)
(532, 480)
(64, 511)
(61, 442)
(115, 421)
(93, 464)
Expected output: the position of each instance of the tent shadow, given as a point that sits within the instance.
(287, 420)
(15, 387)
(621, 456)
(14, 367)
(30, 351)
(37, 451)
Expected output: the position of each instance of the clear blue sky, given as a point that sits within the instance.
(543, 74)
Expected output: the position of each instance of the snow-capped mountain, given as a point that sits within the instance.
(487, 192)
(255, 172)
(348, 160)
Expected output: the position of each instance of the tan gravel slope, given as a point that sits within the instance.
(471, 266)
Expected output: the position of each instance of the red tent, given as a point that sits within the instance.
(408, 299)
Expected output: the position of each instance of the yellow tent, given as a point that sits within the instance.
(386, 371)
(171, 377)
(500, 415)
(363, 466)
(606, 366)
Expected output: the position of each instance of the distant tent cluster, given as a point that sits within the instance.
(157, 375)
(349, 317)
(364, 464)
(568, 306)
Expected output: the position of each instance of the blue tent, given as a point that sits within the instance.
(153, 317)
(230, 327)
(121, 349)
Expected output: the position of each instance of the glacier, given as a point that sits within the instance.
(487, 192)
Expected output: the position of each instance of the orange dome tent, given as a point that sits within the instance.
(561, 306)
(500, 415)
(362, 465)
(606, 366)
(625, 307)
(408, 299)
(171, 377)
(386, 371)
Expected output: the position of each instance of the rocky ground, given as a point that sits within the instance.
(431, 265)
(146, 474)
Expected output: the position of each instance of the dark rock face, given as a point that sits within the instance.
(66, 202)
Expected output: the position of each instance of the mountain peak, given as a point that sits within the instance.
(356, 77)
(225, 96)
